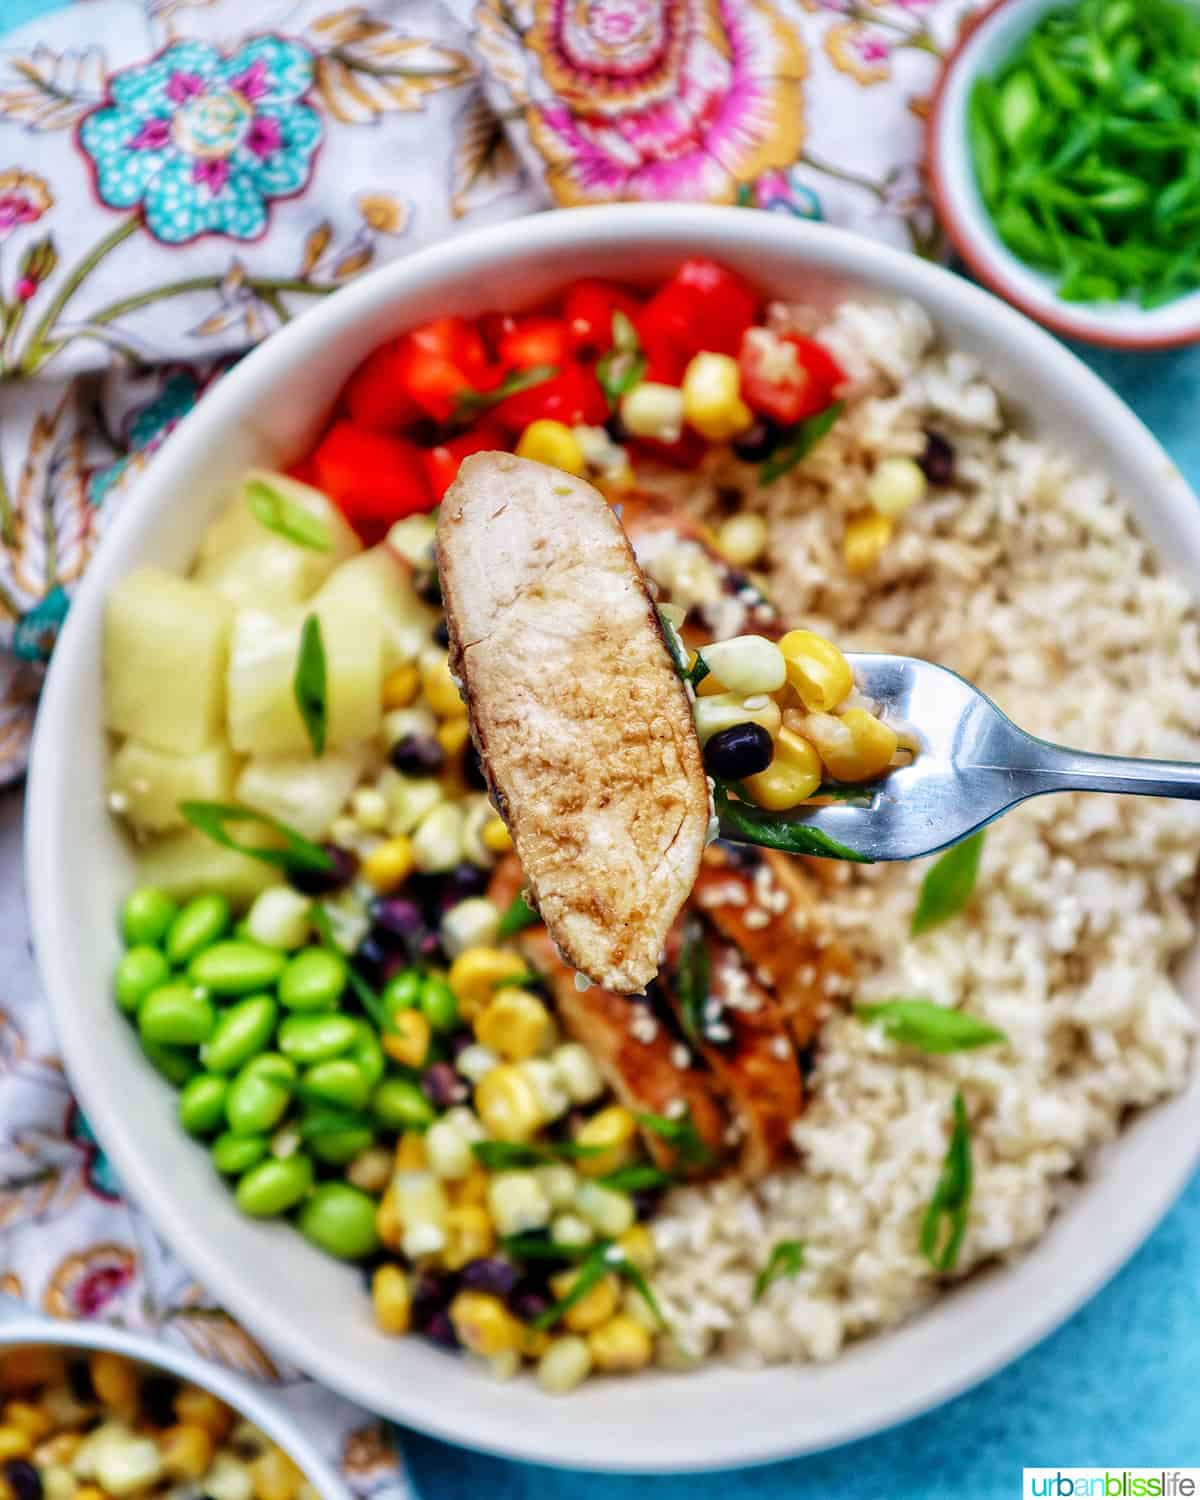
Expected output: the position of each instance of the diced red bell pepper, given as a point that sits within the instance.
(786, 377)
(455, 339)
(377, 395)
(372, 477)
(493, 326)
(433, 383)
(684, 453)
(702, 307)
(588, 308)
(305, 471)
(441, 463)
(533, 341)
(572, 396)
(665, 362)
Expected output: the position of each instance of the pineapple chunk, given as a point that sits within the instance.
(166, 641)
(305, 793)
(379, 582)
(263, 717)
(186, 864)
(252, 565)
(147, 785)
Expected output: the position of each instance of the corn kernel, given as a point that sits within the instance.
(552, 443)
(558, 1182)
(279, 918)
(114, 1381)
(30, 1365)
(471, 1188)
(654, 411)
(496, 836)
(475, 1062)
(448, 1150)
(197, 1406)
(15, 1442)
(57, 1484)
(635, 1306)
(614, 1130)
(474, 974)
(708, 687)
(855, 746)
(410, 1155)
(791, 778)
(387, 1221)
(389, 864)
(400, 687)
(515, 1024)
(566, 1363)
(507, 1104)
(412, 539)
(571, 1231)
(64, 1408)
(371, 1170)
(596, 1305)
(637, 1244)
(90, 1492)
(817, 670)
(370, 809)
(896, 485)
(553, 1100)
(407, 1041)
(391, 1296)
(59, 1450)
(517, 1203)
(437, 684)
(403, 723)
(746, 664)
(577, 1072)
(186, 1451)
(274, 1476)
(724, 710)
(864, 540)
(712, 401)
(473, 923)
(470, 1235)
(125, 1468)
(742, 540)
(437, 841)
(31, 1420)
(228, 1479)
(453, 734)
(620, 1346)
(609, 1212)
(483, 1324)
(421, 1203)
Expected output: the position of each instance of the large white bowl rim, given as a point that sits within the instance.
(301, 1304)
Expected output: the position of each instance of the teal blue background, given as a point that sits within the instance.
(1118, 1385)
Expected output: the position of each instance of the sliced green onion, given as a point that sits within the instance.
(309, 684)
(297, 852)
(274, 510)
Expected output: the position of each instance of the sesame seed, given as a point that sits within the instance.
(643, 1028)
(756, 919)
(680, 1056)
(675, 1109)
(720, 1032)
(781, 1047)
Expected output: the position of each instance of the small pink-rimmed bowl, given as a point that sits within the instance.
(989, 39)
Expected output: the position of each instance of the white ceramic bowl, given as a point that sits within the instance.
(306, 1306)
(19, 1327)
(991, 38)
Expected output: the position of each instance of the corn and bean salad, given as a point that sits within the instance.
(76, 1425)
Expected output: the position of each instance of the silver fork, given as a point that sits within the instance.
(973, 765)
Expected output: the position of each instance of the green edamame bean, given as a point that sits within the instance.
(341, 1220)
(233, 968)
(234, 1154)
(313, 980)
(398, 1104)
(242, 931)
(438, 1003)
(255, 1104)
(175, 1065)
(202, 1104)
(339, 1081)
(402, 991)
(272, 1065)
(367, 1053)
(337, 1147)
(139, 971)
(201, 922)
(313, 1039)
(274, 1186)
(242, 1032)
(178, 1014)
(146, 915)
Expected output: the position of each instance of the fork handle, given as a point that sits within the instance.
(1053, 768)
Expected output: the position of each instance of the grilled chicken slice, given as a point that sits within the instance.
(635, 1053)
(582, 725)
(770, 914)
(742, 1036)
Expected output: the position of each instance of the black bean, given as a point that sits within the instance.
(473, 769)
(372, 958)
(158, 1399)
(24, 1481)
(463, 881)
(396, 917)
(440, 1330)
(417, 755)
(616, 429)
(441, 634)
(529, 1304)
(646, 1201)
(757, 442)
(319, 882)
(490, 1274)
(427, 584)
(937, 461)
(460, 1040)
(740, 751)
(79, 1378)
(442, 1086)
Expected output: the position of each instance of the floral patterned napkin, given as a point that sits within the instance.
(180, 177)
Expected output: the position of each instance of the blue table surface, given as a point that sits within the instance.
(1118, 1385)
